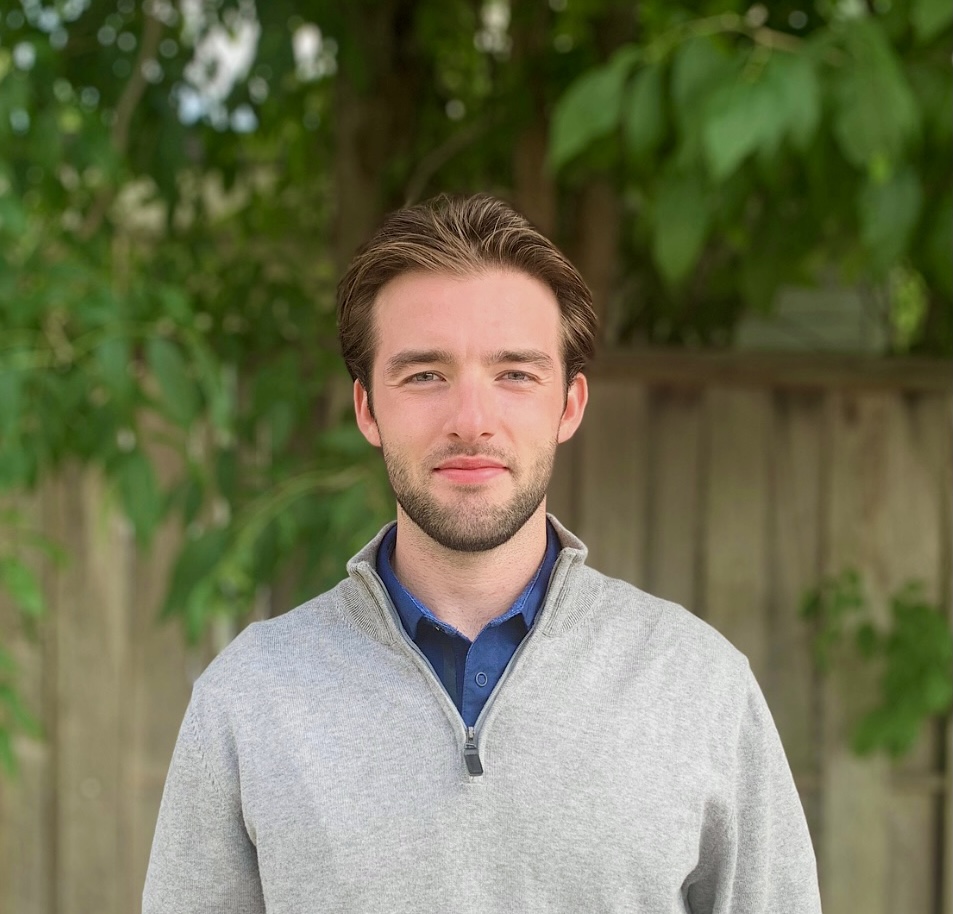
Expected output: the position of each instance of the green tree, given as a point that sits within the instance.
(761, 145)
(181, 184)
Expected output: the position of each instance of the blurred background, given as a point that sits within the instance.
(758, 195)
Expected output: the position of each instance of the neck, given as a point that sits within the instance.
(468, 589)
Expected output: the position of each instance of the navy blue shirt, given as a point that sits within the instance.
(469, 670)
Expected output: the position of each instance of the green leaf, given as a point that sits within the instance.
(8, 760)
(643, 113)
(180, 399)
(798, 92)
(11, 385)
(113, 357)
(930, 17)
(281, 420)
(876, 111)
(888, 215)
(909, 304)
(939, 245)
(13, 217)
(681, 219)
(139, 494)
(700, 65)
(175, 304)
(589, 109)
(226, 472)
(699, 68)
(740, 118)
(46, 140)
(18, 713)
(22, 585)
(776, 248)
(198, 558)
(211, 373)
(934, 92)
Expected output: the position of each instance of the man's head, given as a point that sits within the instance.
(459, 236)
(471, 330)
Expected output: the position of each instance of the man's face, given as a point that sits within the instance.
(469, 401)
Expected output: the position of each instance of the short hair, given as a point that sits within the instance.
(460, 236)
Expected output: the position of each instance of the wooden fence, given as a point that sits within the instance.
(732, 484)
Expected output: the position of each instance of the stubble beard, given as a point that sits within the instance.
(470, 523)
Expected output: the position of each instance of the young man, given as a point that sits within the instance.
(474, 720)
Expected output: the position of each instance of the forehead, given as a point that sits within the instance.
(490, 309)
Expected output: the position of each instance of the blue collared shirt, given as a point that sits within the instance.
(469, 670)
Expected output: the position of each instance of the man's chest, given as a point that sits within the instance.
(587, 798)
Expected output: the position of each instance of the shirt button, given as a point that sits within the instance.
(481, 679)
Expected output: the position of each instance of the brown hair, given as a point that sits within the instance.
(460, 236)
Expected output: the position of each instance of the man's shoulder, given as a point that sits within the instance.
(661, 626)
(266, 646)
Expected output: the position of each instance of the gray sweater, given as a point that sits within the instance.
(629, 764)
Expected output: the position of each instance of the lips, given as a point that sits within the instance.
(470, 470)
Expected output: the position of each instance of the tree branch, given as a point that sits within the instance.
(434, 160)
(125, 109)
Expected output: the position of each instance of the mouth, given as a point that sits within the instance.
(470, 470)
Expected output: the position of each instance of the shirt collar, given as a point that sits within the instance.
(412, 611)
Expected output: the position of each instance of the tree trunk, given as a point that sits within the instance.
(534, 190)
(375, 110)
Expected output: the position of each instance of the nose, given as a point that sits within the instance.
(472, 413)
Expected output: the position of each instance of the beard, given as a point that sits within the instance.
(470, 522)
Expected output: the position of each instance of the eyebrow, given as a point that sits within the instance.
(410, 357)
(521, 357)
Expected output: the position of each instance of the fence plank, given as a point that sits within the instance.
(937, 415)
(674, 498)
(735, 591)
(91, 594)
(791, 686)
(914, 864)
(913, 550)
(162, 669)
(611, 498)
(856, 846)
(915, 531)
(27, 803)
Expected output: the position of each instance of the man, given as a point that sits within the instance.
(474, 720)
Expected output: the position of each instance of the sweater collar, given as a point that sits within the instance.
(568, 542)
(412, 612)
(380, 617)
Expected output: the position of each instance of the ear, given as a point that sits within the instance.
(576, 400)
(365, 418)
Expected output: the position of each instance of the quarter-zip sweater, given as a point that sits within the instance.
(628, 763)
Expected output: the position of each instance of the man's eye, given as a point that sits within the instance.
(423, 376)
(517, 376)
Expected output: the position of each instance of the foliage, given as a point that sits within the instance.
(914, 657)
(15, 717)
(19, 582)
(773, 144)
(164, 311)
(165, 304)
(172, 220)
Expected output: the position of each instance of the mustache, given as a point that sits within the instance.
(448, 453)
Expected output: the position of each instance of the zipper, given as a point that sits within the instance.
(471, 752)
(471, 755)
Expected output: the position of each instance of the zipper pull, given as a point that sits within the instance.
(471, 755)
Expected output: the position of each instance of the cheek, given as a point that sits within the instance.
(408, 429)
